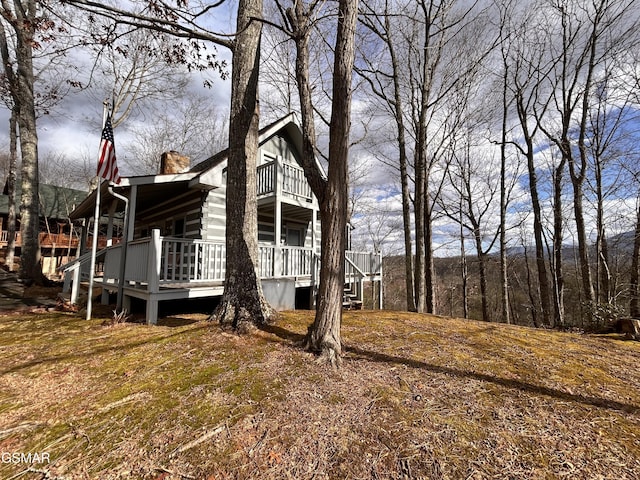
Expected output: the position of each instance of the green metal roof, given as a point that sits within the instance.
(55, 202)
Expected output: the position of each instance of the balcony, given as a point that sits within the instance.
(275, 176)
(54, 240)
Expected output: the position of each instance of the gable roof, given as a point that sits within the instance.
(55, 202)
(288, 123)
(202, 175)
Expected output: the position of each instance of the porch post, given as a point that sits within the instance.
(133, 198)
(277, 251)
(155, 258)
(380, 281)
(75, 285)
(84, 231)
(277, 219)
(153, 276)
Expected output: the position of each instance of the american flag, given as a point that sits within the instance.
(107, 167)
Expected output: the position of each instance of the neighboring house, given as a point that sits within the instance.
(176, 226)
(58, 240)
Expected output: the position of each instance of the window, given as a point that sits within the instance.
(292, 236)
(178, 227)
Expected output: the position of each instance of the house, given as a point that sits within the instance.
(59, 240)
(175, 224)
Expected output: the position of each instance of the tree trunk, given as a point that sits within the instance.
(558, 220)
(634, 281)
(30, 268)
(482, 267)
(243, 304)
(531, 289)
(464, 273)
(419, 217)
(404, 176)
(583, 246)
(406, 222)
(504, 279)
(541, 265)
(430, 270)
(324, 333)
(11, 189)
(603, 275)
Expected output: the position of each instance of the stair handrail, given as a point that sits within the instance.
(72, 272)
(360, 272)
(69, 266)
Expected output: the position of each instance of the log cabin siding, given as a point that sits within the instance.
(187, 208)
(214, 216)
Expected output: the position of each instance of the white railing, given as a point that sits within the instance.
(274, 262)
(157, 261)
(291, 180)
(368, 263)
(112, 264)
(77, 270)
(266, 178)
(189, 260)
(294, 182)
(296, 262)
(266, 261)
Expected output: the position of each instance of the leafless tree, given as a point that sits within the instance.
(584, 36)
(243, 303)
(192, 126)
(21, 21)
(524, 63)
(332, 192)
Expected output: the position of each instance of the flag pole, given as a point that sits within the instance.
(96, 224)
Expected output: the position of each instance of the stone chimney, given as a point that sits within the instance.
(173, 162)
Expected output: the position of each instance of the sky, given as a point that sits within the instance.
(73, 126)
(73, 129)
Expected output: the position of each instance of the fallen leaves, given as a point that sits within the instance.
(417, 396)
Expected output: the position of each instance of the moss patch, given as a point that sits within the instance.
(418, 396)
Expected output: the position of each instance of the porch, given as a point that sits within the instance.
(160, 268)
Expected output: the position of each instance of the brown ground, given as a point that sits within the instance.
(418, 397)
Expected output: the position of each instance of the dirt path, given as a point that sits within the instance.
(14, 297)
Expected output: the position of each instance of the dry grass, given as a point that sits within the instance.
(417, 397)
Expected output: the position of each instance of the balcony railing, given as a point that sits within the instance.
(290, 178)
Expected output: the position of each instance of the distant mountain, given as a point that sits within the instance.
(620, 244)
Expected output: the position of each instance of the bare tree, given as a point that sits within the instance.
(611, 110)
(21, 20)
(192, 126)
(473, 178)
(332, 192)
(243, 303)
(377, 18)
(586, 37)
(524, 67)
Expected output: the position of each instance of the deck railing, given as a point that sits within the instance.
(185, 260)
(49, 240)
(157, 261)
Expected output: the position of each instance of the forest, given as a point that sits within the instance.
(500, 135)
